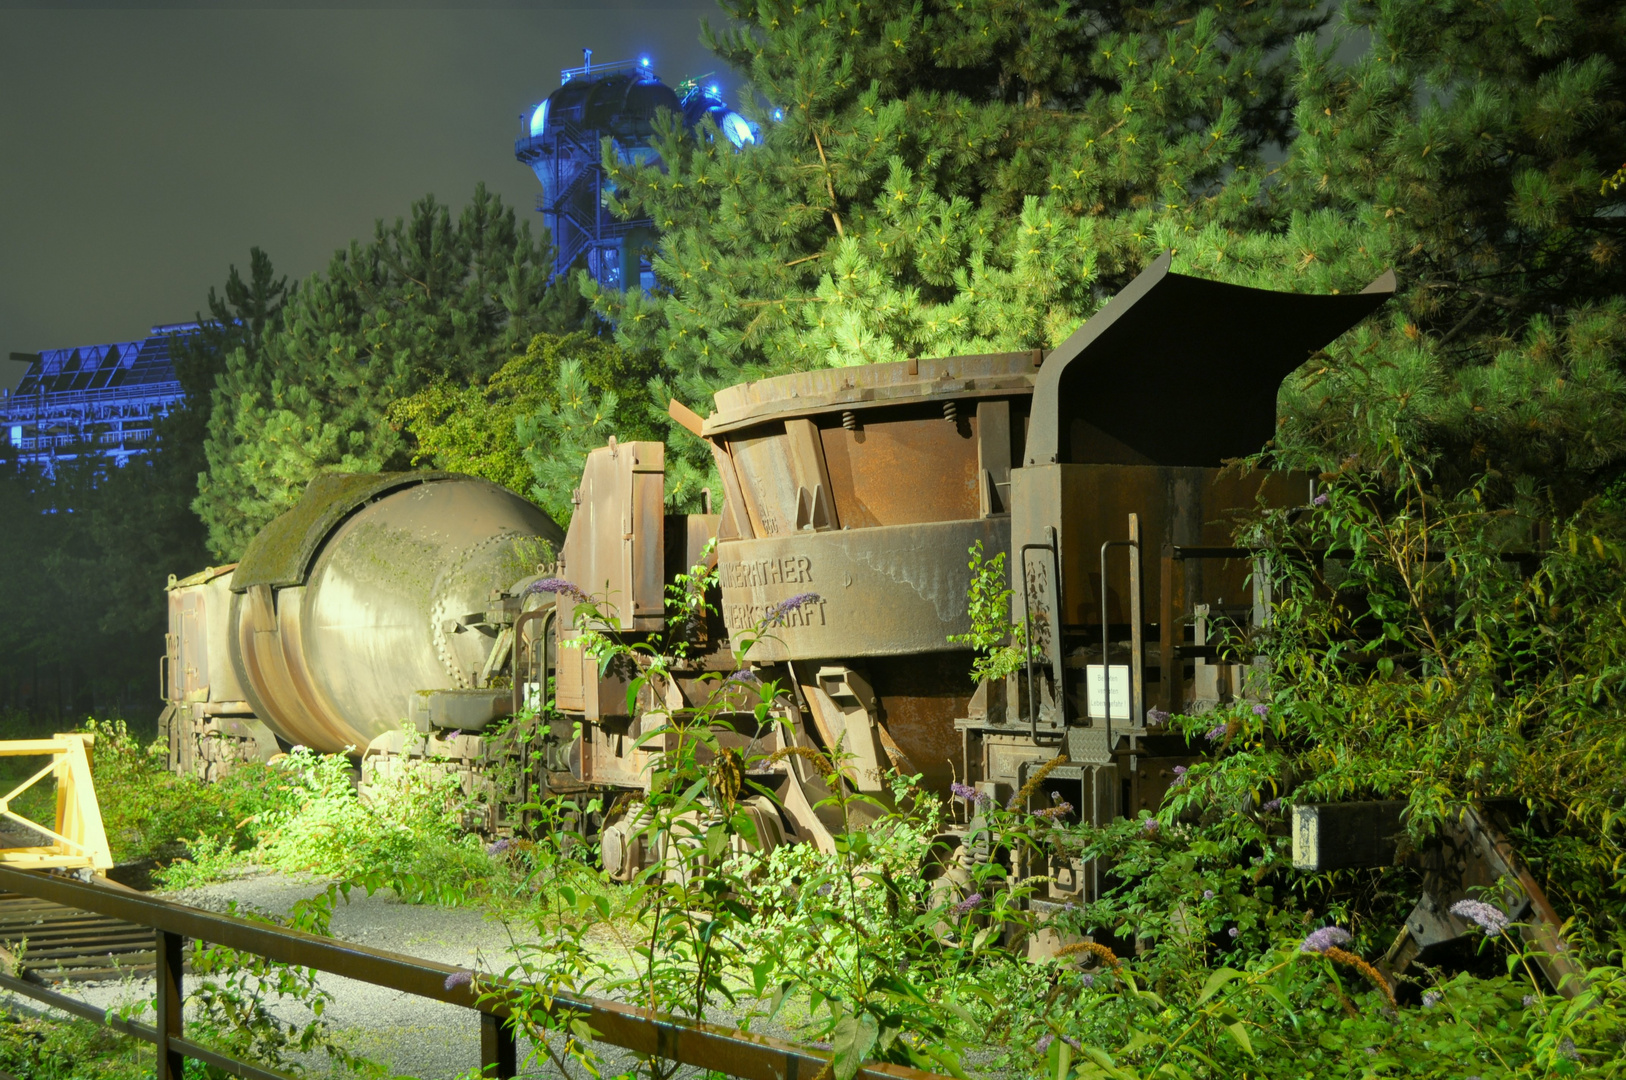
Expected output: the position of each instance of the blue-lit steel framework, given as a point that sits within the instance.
(560, 140)
(105, 397)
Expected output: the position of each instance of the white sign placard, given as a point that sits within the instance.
(1112, 700)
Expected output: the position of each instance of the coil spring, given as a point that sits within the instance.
(849, 421)
(951, 411)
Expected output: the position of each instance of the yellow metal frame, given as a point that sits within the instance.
(79, 838)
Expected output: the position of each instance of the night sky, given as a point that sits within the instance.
(145, 147)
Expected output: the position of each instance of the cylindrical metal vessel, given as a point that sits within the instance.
(373, 588)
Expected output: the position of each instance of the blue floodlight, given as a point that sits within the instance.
(738, 130)
(714, 90)
(643, 61)
(539, 120)
(779, 114)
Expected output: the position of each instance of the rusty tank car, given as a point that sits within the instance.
(1098, 469)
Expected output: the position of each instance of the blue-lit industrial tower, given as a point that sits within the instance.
(560, 140)
(102, 399)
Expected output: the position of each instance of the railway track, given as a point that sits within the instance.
(52, 944)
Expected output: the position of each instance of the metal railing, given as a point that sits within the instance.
(643, 1031)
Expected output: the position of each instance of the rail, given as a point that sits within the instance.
(643, 1031)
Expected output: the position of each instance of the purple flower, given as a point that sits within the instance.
(965, 906)
(1567, 1048)
(1272, 806)
(1179, 776)
(557, 585)
(1261, 710)
(827, 888)
(779, 613)
(1156, 717)
(1060, 810)
(1325, 938)
(459, 978)
(499, 846)
(1489, 919)
(971, 794)
(1208, 894)
(1217, 732)
(1233, 932)
(1086, 981)
(1529, 1000)
(1432, 998)
(1150, 826)
(744, 675)
(1320, 500)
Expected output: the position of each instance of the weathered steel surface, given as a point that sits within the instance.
(1177, 370)
(888, 591)
(859, 389)
(393, 601)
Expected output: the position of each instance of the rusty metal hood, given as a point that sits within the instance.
(1176, 370)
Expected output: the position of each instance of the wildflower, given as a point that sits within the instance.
(1272, 806)
(1567, 1048)
(459, 978)
(1528, 1000)
(744, 675)
(780, 612)
(499, 846)
(1149, 826)
(1060, 810)
(1038, 778)
(1044, 1042)
(1156, 717)
(1489, 918)
(1261, 710)
(557, 585)
(1179, 776)
(1325, 938)
(1320, 500)
(1218, 732)
(971, 795)
(1101, 953)
(1432, 998)
(1086, 980)
(299, 748)
(964, 906)
(827, 888)
(1233, 932)
(1208, 894)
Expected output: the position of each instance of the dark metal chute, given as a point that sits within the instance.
(1176, 370)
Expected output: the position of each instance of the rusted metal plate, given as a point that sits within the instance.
(920, 697)
(1184, 371)
(903, 466)
(859, 389)
(886, 591)
(615, 550)
(1090, 505)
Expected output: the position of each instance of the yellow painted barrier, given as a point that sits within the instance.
(78, 840)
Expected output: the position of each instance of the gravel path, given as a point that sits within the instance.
(411, 1036)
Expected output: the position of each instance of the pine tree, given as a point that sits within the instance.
(944, 177)
(530, 426)
(1475, 145)
(428, 298)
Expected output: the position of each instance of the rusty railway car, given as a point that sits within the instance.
(391, 615)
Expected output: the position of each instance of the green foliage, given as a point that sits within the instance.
(1467, 144)
(530, 426)
(149, 812)
(43, 1049)
(946, 177)
(997, 640)
(428, 298)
